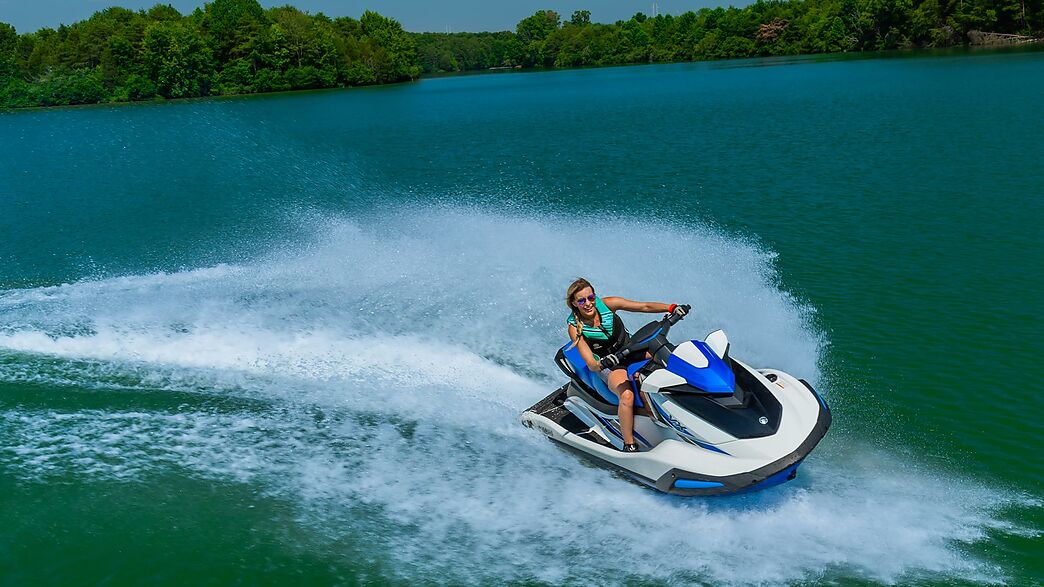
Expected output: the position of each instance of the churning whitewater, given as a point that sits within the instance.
(372, 373)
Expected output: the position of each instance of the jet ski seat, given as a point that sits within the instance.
(591, 379)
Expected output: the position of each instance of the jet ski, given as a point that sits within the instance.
(706, 423)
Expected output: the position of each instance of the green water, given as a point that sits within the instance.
(286, 338)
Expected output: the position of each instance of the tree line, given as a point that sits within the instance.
(237, 47)
(226, 47)
(764, 28)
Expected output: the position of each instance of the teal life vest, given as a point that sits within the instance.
(606, 338)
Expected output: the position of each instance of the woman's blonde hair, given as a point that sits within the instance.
(578, 284)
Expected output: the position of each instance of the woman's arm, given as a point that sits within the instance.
(585, 351)
(618, 303)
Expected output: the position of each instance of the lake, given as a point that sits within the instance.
(287, 338)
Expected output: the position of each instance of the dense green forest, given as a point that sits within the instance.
(237, 47)
(763, 28)
(226, 47)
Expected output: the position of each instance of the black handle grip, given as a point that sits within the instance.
(673, 318)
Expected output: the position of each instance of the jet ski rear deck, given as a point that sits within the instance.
(552, 408)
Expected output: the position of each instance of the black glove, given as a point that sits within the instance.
(681, 311)
(610, 362)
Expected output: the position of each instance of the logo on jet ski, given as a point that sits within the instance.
(671, 419)
(763, 420)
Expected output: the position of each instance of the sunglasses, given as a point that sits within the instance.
(582, 301)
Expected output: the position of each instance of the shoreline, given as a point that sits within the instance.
(942, 52)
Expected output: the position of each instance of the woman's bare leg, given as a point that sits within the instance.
(621, 386)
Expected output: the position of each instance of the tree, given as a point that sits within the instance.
(118, 60)
(881, 23)
(8, 46)
(296, 29)
(137, 88)
(533, 32)
(177, 60)
(163, 12)
(8, 39)
(394, 47)
(270, 50)
(538, 26)
(230, 25)
(62, 88)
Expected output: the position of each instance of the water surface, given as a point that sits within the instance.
(287, 338)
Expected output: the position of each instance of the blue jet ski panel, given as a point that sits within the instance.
(716, 377)
(592, 380)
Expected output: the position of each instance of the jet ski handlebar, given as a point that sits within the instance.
(647, 336)
(674, 317)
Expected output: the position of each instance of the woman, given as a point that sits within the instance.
(597, 332)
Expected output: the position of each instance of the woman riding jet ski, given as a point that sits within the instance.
(705, 423)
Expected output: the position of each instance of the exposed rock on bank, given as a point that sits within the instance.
(998, 39)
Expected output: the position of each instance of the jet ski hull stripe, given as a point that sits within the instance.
(609, 426)
(691, 484)
(613, 428)
(670, 420)
(771, 474)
